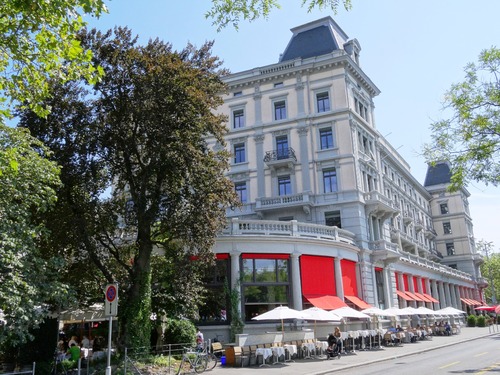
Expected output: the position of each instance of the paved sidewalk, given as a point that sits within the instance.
(323, 366)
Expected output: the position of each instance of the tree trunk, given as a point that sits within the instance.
(135, 322)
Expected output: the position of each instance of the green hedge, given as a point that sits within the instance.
(471, 321)
(481, 321)
(179, 332)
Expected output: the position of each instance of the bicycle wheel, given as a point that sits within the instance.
(211, 361)
(200, 364)
(184, 367)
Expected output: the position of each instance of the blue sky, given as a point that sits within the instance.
(412, 50)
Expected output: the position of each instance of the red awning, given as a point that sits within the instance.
(414, 297)
(358, 302)
(467, 301)
(404, 296)
(422, 297)
(476, 303)
(325, 302)
(431, 298)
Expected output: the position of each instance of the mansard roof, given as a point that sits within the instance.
(316, 38)
(438, 174)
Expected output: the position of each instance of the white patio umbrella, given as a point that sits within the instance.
(281, 313)
(375, 311)
(349, 312)
(450, 311)
(422, 310)
(322, 315)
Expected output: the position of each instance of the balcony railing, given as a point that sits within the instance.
(283, 201)
(280, 155)
(414, 259)
(293, 228)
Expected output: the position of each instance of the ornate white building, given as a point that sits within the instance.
(331, 214)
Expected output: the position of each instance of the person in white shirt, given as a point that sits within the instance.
(199, 339)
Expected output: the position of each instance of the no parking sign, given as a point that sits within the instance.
(111, 300)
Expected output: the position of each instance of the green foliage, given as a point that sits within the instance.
(471, 320)
(490, 269)
(469, 139)
(179, 331)
(237, 323)
(38, 40)
(225, 12)
(27, 191)
(144, 134)
(481, 321)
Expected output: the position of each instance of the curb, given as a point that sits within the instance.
(347, 367)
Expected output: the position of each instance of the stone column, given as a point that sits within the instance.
(257, 97)
(259, 151)
(448, 295)
(452, 295)
(235, 274)
(338, 278)
(442, 298)
(303, 158)
(296, 283)
(433, 291)
(388, 295)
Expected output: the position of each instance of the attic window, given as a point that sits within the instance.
(238, 93)
(278, 84)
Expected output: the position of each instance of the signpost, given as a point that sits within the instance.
(110, 310)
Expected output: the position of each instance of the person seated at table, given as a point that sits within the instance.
(447, 329)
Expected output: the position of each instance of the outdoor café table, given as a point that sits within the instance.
(364, 334)
(291, 350)
(343, 337)
(309, 348)
(278, 351)
(353, 335)
(321, 346)
(265, 353)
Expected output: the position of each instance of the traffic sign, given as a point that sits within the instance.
(111, 300)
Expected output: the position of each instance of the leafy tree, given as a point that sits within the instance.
(490, 269)
(27, 190)
(225, 12)
(142, 131)
(38, 42)
(470, 138)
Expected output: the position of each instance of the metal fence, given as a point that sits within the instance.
(161, 359)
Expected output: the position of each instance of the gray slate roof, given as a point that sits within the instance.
(309, 43)
(438, 174)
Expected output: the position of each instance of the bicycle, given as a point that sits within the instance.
(192, 360)
(210, 358)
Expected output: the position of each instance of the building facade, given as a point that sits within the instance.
(330, 212)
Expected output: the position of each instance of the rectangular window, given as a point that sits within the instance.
(330, 180)
(278, 84)
(280, 110)
(239, 153)
(447, 228)
(264, 285)
(444, 208)
(326, 138)
(323, 102)
(238, 118)
(284, 185)
(282, 147)
(332, 219)
(361, 109)
(450, 248)
(241, 191)
(238, 93)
